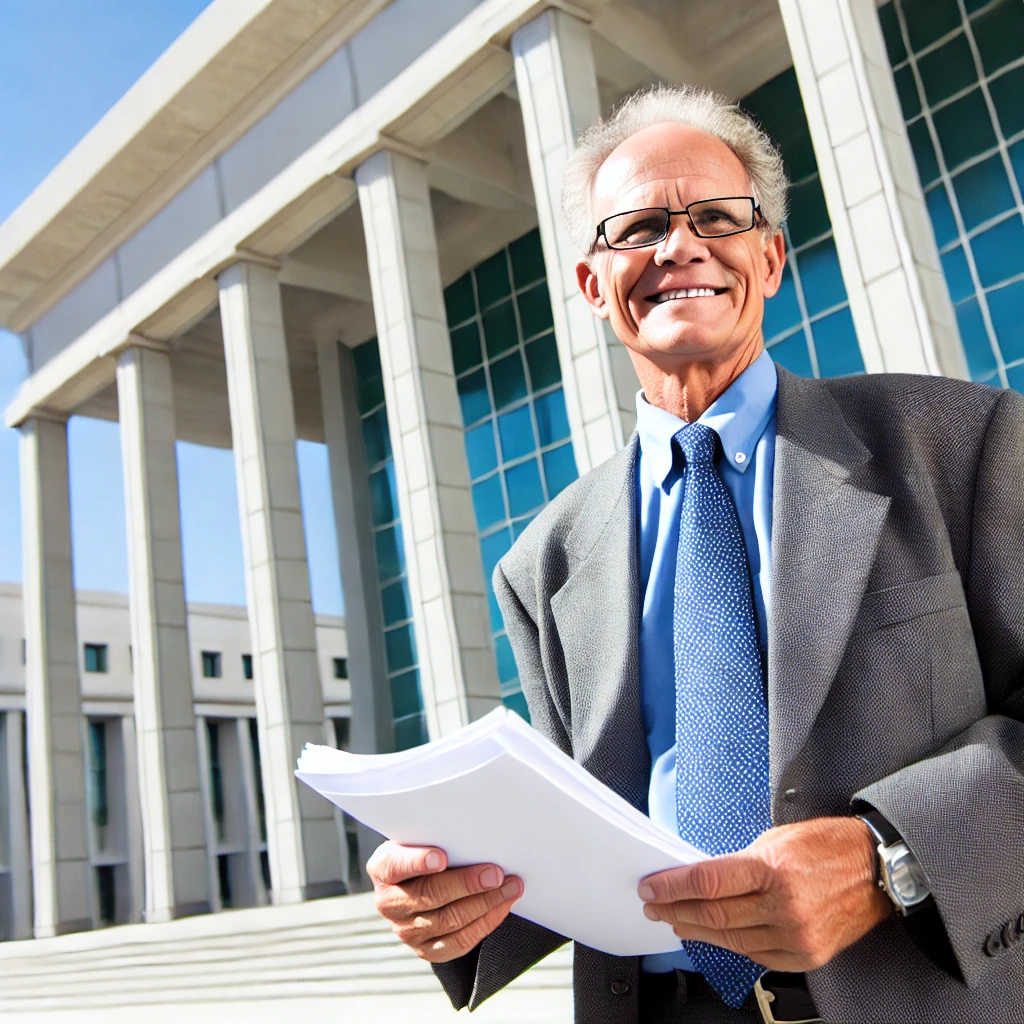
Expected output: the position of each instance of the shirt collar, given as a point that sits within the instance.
(739, 415)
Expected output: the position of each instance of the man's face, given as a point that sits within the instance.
(674, 165)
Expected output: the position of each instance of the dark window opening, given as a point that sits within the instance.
(211, 664)
(341, 668)
(224, 879)
(216, 778)
(254, 741)
(106, 893)
(98, 773)
(247, 666)
(95, 657)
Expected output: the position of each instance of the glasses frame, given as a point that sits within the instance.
(755, 216)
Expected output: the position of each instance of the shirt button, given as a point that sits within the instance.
(620, 988)
(790, 795)
(740, 457)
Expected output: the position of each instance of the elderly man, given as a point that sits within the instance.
(787, 621)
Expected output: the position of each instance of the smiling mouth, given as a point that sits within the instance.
(686, 293)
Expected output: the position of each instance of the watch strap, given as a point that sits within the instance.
(883, 832)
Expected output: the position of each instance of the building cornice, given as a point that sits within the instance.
(443, 87)
(157, 139)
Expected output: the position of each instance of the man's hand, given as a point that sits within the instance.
(790, 901)
(440, 913)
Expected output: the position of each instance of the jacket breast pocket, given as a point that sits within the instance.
(906, 601)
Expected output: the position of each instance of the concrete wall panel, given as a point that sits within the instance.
(307, 113)
(96, 296)
(397, 36)
(187, 217)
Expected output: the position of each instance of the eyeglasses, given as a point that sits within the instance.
(709, 218)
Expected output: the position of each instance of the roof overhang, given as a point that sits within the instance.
(226, 70)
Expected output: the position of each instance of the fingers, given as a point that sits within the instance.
(735, 874)
(425, 928)
(456, 944)
(716, 915)
(751, 942)
(428, 893)
(391, 863)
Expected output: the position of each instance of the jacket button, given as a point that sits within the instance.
(620, 988)
(790, 795)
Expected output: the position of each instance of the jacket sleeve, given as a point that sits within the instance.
(516, 944)
(961, 811)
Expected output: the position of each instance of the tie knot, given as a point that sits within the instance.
(698, 443)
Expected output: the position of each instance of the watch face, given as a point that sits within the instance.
(907, 881)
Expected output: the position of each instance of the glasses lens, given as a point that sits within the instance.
(722, 216)
(636, 228)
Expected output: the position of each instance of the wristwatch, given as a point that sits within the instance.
(899, 873)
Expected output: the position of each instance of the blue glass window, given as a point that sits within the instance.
(999, 251)
(782, 311)
(835, 342)
(821, 277)
(983, 192)
(981, 360)
(480, 450)
(512, 406)
(399, 645)
(552, 419)
(559, 469)
(974, 186)
(525, 491)
(516, 432)
(488, 502)
(793, 354)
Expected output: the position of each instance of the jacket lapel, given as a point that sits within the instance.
(597, 614)
(825, 530)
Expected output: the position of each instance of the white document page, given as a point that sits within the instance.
(499, 792)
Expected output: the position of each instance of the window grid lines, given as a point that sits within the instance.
(946, 179)
(404, 624)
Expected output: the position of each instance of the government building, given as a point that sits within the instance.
(338, 221)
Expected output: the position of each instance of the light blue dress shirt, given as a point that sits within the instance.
(744, 417)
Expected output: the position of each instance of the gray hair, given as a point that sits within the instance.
(684, 104)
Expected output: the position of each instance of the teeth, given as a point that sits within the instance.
(686, 293)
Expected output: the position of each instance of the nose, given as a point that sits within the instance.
(681, 244)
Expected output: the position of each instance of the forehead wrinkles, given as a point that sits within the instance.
(625, 183)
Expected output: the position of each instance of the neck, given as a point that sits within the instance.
(688, 389)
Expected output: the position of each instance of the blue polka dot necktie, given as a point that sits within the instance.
(722, 791)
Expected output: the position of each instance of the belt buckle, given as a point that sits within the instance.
(765, 998)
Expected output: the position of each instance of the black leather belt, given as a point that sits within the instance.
(780, 998)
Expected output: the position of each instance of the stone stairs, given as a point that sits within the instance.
(328, 960)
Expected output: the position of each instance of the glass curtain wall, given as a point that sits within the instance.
(959, 69)
(808, 328)
(399, 641)
(513, 408)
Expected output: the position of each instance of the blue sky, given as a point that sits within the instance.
(63, 64)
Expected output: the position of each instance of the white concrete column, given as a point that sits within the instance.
(557, 86)
(458, 675)
(19, 853)
(302, 840)
(887, 253)
(172, 812)
(61, 877)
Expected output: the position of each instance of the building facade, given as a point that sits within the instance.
(339, 222)
(226, 745)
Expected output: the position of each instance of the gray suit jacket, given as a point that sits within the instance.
(895, 678)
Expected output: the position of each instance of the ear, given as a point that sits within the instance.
(586, 278)
(774, 261)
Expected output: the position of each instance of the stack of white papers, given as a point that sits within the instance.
(497, 792)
